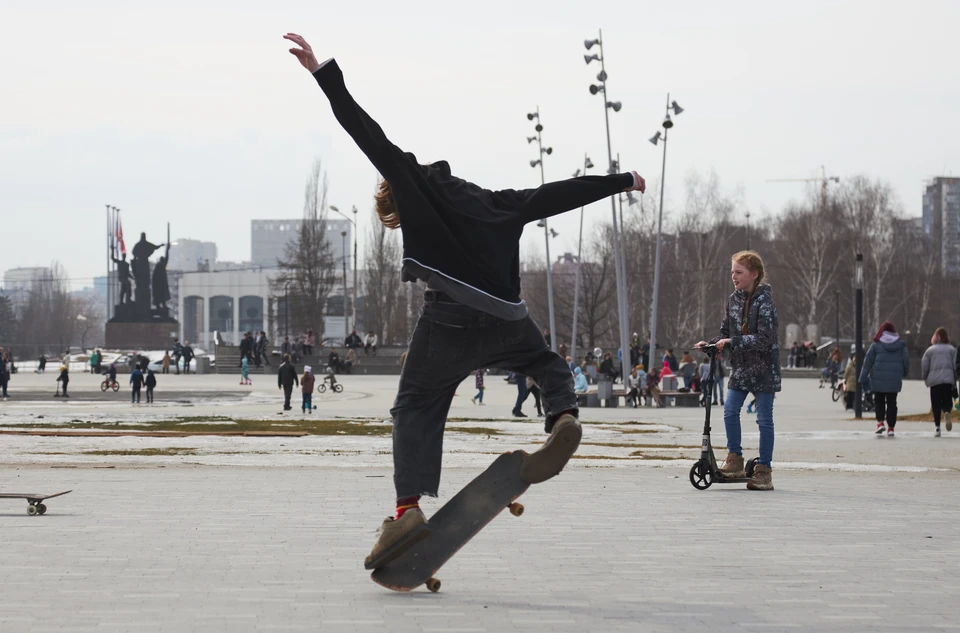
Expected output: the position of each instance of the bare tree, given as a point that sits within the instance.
(48, 318)
(808, 251)
(381, 278)
(307, 272)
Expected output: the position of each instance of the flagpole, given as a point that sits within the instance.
(109, 258)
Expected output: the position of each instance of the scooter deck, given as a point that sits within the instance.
(453, 525)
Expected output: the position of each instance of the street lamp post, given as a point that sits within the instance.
(587, 164)
(346, 324)
(354, 223)
(667, 124)
(286, 310)
(546, 230)
(615, 106)
(858, 404)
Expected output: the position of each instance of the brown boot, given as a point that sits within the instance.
(555, 452)
(762, 478)
(733, 466)
(396, 536)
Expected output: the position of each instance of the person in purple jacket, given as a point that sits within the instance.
(464, 242)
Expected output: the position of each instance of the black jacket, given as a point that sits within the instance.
(458, 237)
(287, 376)
(151, 381)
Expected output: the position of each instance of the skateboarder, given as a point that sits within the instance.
(463, 241)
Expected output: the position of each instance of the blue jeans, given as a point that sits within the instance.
(731, 420)
(479, 395)
(307, 402)
(718, 388)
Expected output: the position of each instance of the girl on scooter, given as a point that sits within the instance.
(749, 329)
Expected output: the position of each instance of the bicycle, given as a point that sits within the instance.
(107, 384)
(334, 385)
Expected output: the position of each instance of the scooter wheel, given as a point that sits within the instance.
(750, 467)
(701, 476)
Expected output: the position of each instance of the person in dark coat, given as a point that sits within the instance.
(151, 382)
(749, 329)
(136, 381)
(64, 378)
(884, 367)
(187, 356)
(286, 379)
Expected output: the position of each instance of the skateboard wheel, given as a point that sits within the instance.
(433, 584)
(516, 509)
(42, 509)
(31, 509)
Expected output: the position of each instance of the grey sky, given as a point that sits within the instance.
(199, 116)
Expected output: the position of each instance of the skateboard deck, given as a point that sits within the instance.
(35, 501)
(453, 525)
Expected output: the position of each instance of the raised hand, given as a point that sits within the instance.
(639, 184)
(304, 53)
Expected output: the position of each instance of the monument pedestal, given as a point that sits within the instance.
(141, 336)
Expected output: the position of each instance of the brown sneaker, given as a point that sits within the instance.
(396, 536)
(555, 452)
(733, 466)
(947, 421)
(762, 478)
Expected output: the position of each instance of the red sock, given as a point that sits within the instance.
(407, 503)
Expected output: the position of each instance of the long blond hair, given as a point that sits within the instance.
(386, 207)
(751, 260)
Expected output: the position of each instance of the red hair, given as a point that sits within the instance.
(886, 326)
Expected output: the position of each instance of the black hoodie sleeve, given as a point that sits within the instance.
(558, 197)
(366, 133)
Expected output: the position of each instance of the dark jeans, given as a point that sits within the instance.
(535, 392)
(149, 394)
(176, 363)
(287, 391)
(522, 393)
(307, 404)
(448, 344)
(135, 394)
(941, 400)
(886, 407)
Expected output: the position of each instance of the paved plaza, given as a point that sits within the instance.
(221, 533)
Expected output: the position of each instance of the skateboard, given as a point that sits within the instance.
(459, 520)
(36, 501)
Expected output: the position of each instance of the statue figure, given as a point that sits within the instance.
(161, 289)
(142, 251)
(123, 274)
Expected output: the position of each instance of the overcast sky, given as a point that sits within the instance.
(200, 116)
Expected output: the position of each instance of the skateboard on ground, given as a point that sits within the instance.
(452, 527)
(35, 502)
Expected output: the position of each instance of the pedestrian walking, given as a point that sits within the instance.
(151, 383)
(136, 381)
(307, 382)
(939, 373)
(263, 349)
(522, 393)
(4, 375)
(718, 376)
(850, 383)
(462, 240)
(165, 363)
(704, 371)
(687, 369)
(286, 379)
(308, 343)
(534, 389)
(42, 364)
(884, 367)
(187, 356)
(749, 329)
(478, 384)
(177, 354)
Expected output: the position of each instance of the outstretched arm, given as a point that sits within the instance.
(558, 197)
(366, 133)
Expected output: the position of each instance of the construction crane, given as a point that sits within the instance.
(823, 179)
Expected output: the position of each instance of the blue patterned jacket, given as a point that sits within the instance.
(754, 356)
